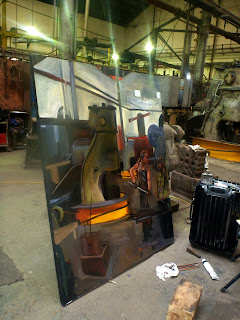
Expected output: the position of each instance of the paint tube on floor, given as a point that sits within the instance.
(209, 269)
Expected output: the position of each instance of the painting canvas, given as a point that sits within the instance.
(105, 174)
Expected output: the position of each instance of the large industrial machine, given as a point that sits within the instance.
(218, 117)
(222, 122)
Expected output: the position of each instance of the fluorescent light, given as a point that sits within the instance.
(35, 33)
(158, 95)
(115, 56)
(149, 47)
(32, 31)
(188, 75)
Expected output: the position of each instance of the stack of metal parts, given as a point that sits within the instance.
(190, 168)
(191, 161)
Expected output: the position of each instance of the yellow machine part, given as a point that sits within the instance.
(126, 175)
(111, 216)
(103, 214)
(220, 150)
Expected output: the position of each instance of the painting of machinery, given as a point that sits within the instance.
(106, 163)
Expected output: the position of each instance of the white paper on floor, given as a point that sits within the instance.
(167, 270)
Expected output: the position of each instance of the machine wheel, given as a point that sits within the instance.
(58, 214)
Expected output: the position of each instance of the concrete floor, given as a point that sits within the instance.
(137, 294)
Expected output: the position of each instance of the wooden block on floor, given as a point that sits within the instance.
(185, 301)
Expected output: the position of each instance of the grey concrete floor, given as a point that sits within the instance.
(137, 293)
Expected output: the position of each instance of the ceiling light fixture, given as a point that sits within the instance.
(32, 31)
(115, 56)
(149, 47)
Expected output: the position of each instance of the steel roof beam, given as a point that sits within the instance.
(169, 47)
(157, 29)
(217, 11)
(180, 13)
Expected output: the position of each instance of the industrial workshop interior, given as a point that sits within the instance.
(119, 159)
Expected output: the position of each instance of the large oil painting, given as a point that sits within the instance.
(105, 172)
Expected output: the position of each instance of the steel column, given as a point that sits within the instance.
(73, 88)
(213, 53)
(152, 54)
(87, 5)
(202, 46)
(186, 48)
(4, 25)
(54, 22)
(67, 32)
(119, 101)
(109, 56)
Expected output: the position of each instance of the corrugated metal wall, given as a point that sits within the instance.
(14, 85)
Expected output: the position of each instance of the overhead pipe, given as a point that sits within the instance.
(217, 11)
(180, 13)
(93, 45)
(178, 30)
(158, 62)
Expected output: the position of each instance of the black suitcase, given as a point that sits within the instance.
(213, 215)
